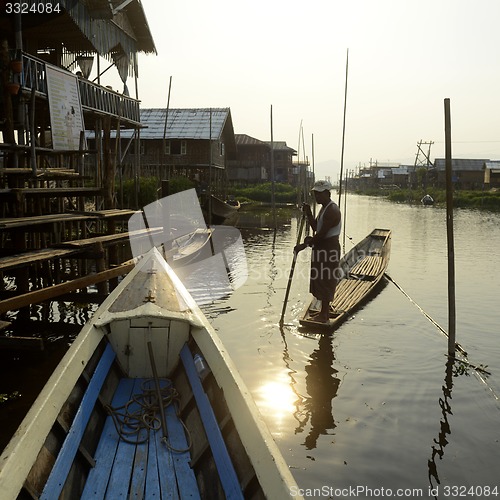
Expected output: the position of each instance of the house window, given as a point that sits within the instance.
(176, 147)
(221, 149)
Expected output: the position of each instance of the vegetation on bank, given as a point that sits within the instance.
(149, 192)
(489, 200)
(283, 193)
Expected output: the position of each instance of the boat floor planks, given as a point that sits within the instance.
(363, 268)
(141, 468)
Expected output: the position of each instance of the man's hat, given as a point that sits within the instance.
(323, 185)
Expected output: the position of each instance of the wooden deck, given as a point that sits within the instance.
(72, 216)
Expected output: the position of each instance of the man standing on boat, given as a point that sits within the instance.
(325, 247)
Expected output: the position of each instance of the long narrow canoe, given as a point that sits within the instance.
(98, 429)
(361, 271)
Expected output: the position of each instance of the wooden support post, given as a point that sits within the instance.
(33, 132)
(109, 174)
(449, 231)
(100, 266)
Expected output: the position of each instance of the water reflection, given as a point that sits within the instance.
(322, 385)
(278, 397)
(445, 429)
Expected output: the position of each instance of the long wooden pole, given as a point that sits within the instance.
(313, 173)
(292, 268)
(273, 180)
(449, 231)
(343, 127)
(166, 117)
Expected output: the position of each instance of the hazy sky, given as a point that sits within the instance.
(405, 58)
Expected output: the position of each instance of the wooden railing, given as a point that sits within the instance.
(93, 97)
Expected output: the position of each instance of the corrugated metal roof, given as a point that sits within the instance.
(200, 123)
(492, 164)
(281, 146)
(246, 140)
(462, 164)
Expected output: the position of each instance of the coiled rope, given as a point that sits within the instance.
(136, 419)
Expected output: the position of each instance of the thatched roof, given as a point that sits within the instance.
(88, 27)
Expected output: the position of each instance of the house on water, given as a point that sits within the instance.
(195, 143)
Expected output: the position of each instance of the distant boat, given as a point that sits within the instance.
(362, 269)
(188, 249)
(223, 212)
(146, 403)
(427, 200)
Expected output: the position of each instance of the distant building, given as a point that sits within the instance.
(253, 161)
(492, 174)
(194, 143)
(283, 162)
(466, 173)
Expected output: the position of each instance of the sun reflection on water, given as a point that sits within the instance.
(276, 400)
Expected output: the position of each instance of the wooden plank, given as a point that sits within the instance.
(51, 192)
(21, 260)
(22, 343)
(66, 455)
(225, 467)
(153, 482)
(139, 470)
(25, 222)
(98, 478)
(165, 467)
(52, 292)
(112, 238)
(186, 480)
(121, 473)
(110, 213)
(139, 477)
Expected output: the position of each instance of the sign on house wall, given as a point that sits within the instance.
(66, 117)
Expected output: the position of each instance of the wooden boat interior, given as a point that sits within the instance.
(107, 432)
(361, 269)
(111, 438)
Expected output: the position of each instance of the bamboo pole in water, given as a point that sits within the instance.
(292, 268)
(313, 174)
(273, 201)
(166, 117)
(343, 127)
(449, 231)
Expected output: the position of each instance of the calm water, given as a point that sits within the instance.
(375, 405)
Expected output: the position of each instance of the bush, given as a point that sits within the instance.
(149, 189)
(283, 193)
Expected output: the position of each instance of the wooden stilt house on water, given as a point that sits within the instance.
(196, 143)
(49, 178)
